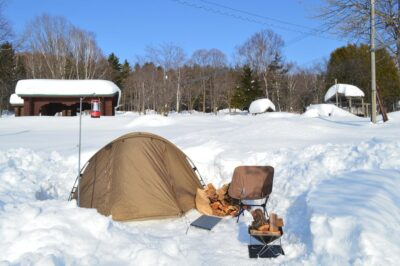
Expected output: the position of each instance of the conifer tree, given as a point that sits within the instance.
(9, 73)
(351, 65)
(115, 69)
(248, 90)
(276, 73)
(125, 70)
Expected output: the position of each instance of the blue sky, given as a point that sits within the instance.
(127, 27)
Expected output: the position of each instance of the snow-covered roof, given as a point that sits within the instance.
(16, 100)
(58, 87)
(345, 89)
(261, 106)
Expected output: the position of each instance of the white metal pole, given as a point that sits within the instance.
(373, 74)
(79, 150)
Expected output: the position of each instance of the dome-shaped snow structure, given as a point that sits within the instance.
(261, 106)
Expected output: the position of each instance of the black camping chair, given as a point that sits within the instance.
(251, 183)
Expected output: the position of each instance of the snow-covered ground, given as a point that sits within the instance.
(337, 183)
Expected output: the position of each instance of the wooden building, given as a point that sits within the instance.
(62, 97)
(349, 98)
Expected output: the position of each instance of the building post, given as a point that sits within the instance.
(373, 74)
(337, 104)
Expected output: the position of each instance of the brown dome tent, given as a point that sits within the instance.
(138, 176)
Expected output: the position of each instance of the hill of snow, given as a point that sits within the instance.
(336, 186)
(315, 110)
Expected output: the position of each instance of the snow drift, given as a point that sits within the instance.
(315, 110)
(336, 185)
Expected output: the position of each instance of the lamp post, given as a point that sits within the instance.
(79, 149)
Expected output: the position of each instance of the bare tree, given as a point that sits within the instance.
(47, 36)
(170, 57)
(212, 63)
(350, 18)
(259, 51)
(5, 28)
(86, 55)
(200, 58)
(217, 61)
(56, 49)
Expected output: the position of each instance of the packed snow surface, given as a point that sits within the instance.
(336, 185)
(261, 106)
(344, 89)
(62, 87)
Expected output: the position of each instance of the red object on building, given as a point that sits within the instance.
(95, 110)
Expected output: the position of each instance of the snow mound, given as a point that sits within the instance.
(261, 106)
(28, 176)
(345, 89)
(150, 121)
(315, 110)
(354, 218)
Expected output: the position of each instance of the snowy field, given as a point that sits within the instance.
(337, 183)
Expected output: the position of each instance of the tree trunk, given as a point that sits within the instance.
(204, 97)
(143, 100)
(266, 84)
(278, 100)
(178, 91)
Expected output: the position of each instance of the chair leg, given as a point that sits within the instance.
(265, 211)
(241, 211)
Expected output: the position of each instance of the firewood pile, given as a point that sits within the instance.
(218, 200)
(262, 225)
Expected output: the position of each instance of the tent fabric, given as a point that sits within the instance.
(251, 182)
(139, 176)
(202, 202)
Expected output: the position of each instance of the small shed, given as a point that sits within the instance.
(17, 103)
(348, 97)
(62, 97)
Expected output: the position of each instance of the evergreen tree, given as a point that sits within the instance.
(276, 74)
(9, 73)
(352, 65)
(248, 90)
(115, 69)
(125, 70)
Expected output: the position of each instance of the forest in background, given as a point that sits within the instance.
(167, 79)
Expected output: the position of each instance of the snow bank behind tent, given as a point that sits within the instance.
(261, 106)
(315, 110)
(345, 89)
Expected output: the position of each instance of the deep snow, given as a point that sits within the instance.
(336, 185)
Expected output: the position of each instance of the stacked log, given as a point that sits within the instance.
(220, 201)
(262, 225)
